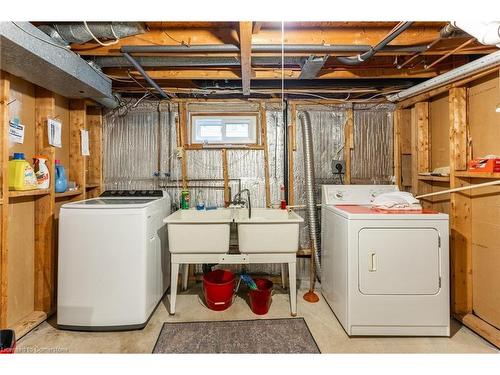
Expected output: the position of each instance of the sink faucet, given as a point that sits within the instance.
(237, 200)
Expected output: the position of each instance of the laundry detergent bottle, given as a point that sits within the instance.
(61, 183)
(41, 172)
(21, 173)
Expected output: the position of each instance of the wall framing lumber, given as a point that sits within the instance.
(77, 162)
(45, 256)
(183, 141)
(225, 171)
(398, 121)
(458, 127)
(291, 128)
(348, 144)
(4, 191)
(246, 55)
(263, 133)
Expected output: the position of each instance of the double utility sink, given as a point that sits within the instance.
(267, 231)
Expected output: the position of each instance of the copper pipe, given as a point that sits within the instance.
(450, 53)
(416, 54)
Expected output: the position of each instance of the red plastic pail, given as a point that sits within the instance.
(260, 299)
(218, 289)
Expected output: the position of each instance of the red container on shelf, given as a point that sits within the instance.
(484, 165)
(260, 299)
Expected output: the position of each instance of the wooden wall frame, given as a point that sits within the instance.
(45, 201)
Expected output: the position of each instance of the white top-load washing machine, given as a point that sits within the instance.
(114, 263)
(383, 273)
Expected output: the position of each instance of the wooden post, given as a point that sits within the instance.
(45, 256)
(398, 120)
(348, 144)
(460, 216)
(420, 139)
(225, 171)
(94, 125)
(4, 191)
(183, 139)
(77, 162)
(291, 148)
(263, 130)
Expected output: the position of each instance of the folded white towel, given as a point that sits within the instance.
(396, 200)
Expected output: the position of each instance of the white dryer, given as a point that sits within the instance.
(383, 273)
(113, 262)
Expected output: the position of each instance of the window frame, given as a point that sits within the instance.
(192, 123)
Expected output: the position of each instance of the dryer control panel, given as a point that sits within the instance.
(353, 194)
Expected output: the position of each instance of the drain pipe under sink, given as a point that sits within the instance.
(312, 215)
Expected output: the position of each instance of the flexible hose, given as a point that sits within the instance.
(358, 59)
(312, 214)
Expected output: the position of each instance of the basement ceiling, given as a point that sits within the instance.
(241, 58)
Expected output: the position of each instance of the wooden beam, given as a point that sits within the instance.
(338, 35)
(77, 162)
(461, 207)
(4, 191)
(94, 125)
(263, 130)
(397, 124)
(246, 55)
(45, 254)
(271, 73)
(348, 144)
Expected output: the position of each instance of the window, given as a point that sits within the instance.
(224, 128)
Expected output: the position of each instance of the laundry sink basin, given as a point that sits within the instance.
(268, 231)
(195, 232)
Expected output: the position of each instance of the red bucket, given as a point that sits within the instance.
(218, 289)
(7, 341)
(260, 299)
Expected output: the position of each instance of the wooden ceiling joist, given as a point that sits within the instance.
(246, 55)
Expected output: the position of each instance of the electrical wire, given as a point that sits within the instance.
(97, 40)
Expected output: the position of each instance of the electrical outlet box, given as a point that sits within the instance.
(179, 153)
(338, 166)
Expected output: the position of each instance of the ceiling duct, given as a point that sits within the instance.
(78, 32)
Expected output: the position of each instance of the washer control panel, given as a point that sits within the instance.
(353, 194)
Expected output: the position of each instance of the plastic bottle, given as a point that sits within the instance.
(41, 172)
(21, 173)
(61, 183)
(185, 200)
(200, 202)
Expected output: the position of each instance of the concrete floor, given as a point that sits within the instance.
(325, 328)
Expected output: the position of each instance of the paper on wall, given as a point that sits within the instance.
(85, 142)
(54, 129)
(16, 131)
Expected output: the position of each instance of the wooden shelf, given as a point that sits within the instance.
(28, 193)
(477, 174)
(424, 177)
(69, 193)
(91, 186)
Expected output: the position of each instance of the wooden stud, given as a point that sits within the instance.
(256, 27)
(423, 137)
(183, 140)
(45, 255)
(398, 121)
(246, 55)
(461, 207)
(458, 127)
(225, 171)
(263, 130)
(348, 144)
(94, 126)
(4, 191)
(77, 162)
(291, 149)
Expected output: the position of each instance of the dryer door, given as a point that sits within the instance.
(401, 261)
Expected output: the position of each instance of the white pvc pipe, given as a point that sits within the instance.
(469, 187)
(487, 33)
